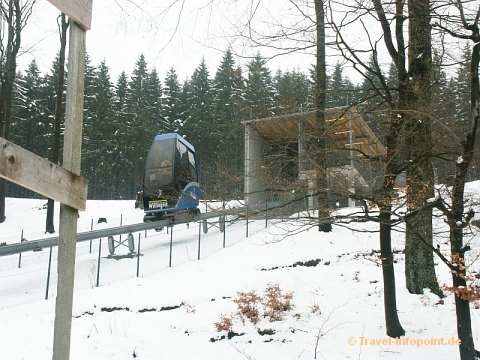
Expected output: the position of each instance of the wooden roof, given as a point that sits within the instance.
(340, 121)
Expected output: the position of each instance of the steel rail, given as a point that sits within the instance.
(37, 245)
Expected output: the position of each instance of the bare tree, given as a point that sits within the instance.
(14, 15)
(59, 114)
(463, 26)
(393, 161)
(419, 266)
(324, 223)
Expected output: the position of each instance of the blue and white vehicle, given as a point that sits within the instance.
(170, 184)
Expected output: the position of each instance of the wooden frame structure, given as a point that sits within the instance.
(63, 184)
(345, 127)
(347, 131)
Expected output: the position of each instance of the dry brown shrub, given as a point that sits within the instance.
(247, 303)
(225, 324)
(276, 302)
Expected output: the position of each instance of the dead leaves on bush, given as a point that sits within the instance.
(251, 307)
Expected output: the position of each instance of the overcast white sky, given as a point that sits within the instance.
(121, 31)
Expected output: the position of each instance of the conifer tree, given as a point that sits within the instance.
(259, 92)
(155, 120)
(121, 139)
(28, 128)
(103, 123)
(200, 119)
(89, 146)
(140, 119)
(172, 107)
(228, 90)
(200, 126)
(292, 92)
(462, 91)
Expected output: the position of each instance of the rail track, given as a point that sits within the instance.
(39, 244)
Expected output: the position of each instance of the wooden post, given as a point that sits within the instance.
(68, 215)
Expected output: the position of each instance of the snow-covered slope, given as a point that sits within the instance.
(169, 313)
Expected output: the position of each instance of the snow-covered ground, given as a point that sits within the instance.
(170, 313)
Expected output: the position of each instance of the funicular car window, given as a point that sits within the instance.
(191, 161)
(182, 172)
(159, 164)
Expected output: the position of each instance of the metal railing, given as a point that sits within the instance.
(37, 245)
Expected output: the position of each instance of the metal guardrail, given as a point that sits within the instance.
(37, 245)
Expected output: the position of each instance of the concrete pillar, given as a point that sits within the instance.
(305, 172)
(254, 182)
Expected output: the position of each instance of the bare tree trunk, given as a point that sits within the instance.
(462, 306)
(59, 114)
(15, 17)
(324, 221)
(392, 323)
(419, 265)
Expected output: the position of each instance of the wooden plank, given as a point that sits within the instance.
(78, 10)
(29, 170)
(72, 146)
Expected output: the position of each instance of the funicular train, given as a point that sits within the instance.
(170, 184)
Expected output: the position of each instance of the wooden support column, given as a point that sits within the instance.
(68, 215)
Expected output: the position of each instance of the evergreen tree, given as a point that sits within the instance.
(228, 90)
(200, 125)
(443, 113)
(28, 126)
(462, 92)
(104, 126)
(140, 122)
(155, 121)
(372, 97)
(335, 90)
(172, 106)
(184, 107)
(121, 140)
(292, 92)
(340, 91)
(89, 145)
(49, 98)
(259, 93)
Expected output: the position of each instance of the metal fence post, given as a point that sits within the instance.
(266, 211)
(199, 237)
(246, 230)
(171, 245)
(48, 273)
(91, 229)
(224, 229)
(98, 262)
(138, 255)
(121, 223)
(20, 253)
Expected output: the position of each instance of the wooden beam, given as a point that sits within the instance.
(78, 10)
(72, 146)
(35, 173)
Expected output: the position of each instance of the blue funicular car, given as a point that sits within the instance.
(170, 184)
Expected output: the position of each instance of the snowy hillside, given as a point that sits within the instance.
(170, 313)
